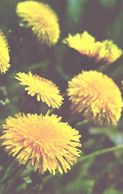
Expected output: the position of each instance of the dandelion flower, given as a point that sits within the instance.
(109, 52)
(41, 19)
(86, 44)
(41, 141)
(4, 54)
(96, 96)
(45, 90)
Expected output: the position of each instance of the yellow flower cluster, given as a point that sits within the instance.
(46, 142)
(41, 19)
(105, 51)
(4, 54)
(41, 141)
(96, 96)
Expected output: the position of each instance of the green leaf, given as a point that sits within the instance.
(74, 11)
(112, 133)
(108, 3)
(27, 171)
(22, 187)
(38, 65)
(80, 186)
(111, 190)
(27, 180)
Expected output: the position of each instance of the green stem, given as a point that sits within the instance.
(8, 171)
(47, 178)
(12, 179)
(81, 123)
(99, 152)
(73, 118)
(92, 155)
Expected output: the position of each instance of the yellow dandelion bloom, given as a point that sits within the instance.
(44, 89)
(41, 19)
(109, 52)
(4, 54)
(86, 44)
(41, 141)
(96, 96)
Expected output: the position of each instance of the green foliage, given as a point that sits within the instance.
(82, 183)
(79, 186)
(74, 12)
(112, 191)
(108, 3)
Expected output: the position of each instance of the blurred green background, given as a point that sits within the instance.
(103, 19)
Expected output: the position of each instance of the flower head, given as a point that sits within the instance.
(86, 44)
(41, 19)
(45, 90)
(41, 141)
(96, 96)
(108, 52)
(4, 54)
